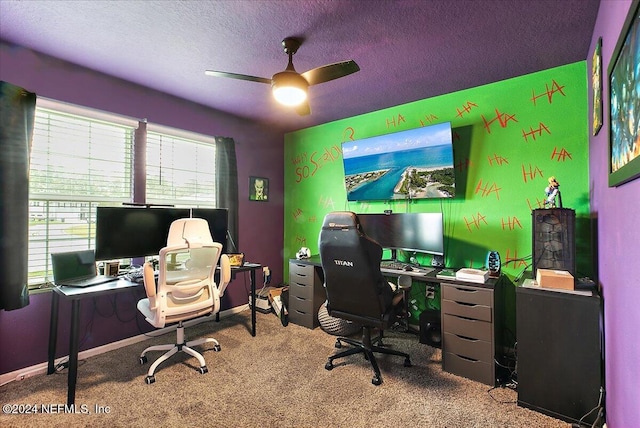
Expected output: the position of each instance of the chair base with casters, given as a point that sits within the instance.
(180, 346)
(367, 346)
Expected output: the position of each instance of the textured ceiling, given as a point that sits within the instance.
(407, 50)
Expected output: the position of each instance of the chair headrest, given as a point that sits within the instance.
(191, 231)
(340, 220)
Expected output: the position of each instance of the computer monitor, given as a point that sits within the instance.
(128, 232)
(218, 219)
(421, 232)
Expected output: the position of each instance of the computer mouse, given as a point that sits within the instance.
(407, 268)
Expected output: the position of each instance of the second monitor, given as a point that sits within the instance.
(421, 232)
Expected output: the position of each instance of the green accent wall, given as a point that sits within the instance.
(509, 138)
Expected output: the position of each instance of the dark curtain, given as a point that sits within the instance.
(17, 111)
(140, 162)
(227, 188)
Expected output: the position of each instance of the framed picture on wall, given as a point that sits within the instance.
(596, 84)
(258, 189)
(624, 102)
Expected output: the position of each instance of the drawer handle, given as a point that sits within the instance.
(300, 298)
(466, 290)
(464, 318)
(473, 360)
(470, 339)
(300, 312)
(465, 303)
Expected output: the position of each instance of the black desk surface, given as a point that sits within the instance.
(430, 277)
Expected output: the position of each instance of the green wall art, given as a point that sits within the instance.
(509, 138)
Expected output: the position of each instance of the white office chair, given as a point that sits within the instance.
(185, 289)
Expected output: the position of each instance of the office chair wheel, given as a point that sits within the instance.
(149, 380)
(377, 380)
(217, 348)
(338, 343)
(203, 370)
(407, 362)
(143, 360)
(329, 365)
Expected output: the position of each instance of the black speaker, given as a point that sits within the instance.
(430, 330)
(554, 242)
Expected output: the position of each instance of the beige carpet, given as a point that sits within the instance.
(276, 379)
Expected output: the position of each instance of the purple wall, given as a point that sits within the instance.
(617, 211)
(259, 151)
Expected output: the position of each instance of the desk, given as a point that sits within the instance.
(470, 318)
(75, 295)
(251, 268)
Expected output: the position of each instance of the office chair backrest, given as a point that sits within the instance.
(186, 286)
(191, 231)
(351, 265)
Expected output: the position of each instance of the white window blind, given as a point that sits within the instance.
(77, 162)
(180, 171)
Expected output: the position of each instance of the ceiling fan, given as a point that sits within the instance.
(290, 87)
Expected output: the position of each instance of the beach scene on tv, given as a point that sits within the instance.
(411, 164)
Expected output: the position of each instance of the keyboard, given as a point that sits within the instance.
(134, 275)
(396, 267)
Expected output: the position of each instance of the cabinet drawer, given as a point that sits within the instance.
(303, 312)
(296, 278)
(300, 304)
(467, 310)
(467, 294)
(303, 319)
(301, 269)
(472, 329)
(471, 348)
(479, 371)
(304, 291)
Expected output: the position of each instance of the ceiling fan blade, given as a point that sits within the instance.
(330, 72)
(304, 109)
(237, 76)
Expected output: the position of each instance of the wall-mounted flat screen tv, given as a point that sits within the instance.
(412, 164)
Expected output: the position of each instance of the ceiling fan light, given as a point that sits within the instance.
(289, 88)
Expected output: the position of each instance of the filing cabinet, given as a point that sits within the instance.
(306, 293)
(468, 331)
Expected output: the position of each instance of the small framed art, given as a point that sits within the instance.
(596, 85)
(258, 189)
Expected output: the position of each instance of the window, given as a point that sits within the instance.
(79, 159)
(82, 158)
(180, 170)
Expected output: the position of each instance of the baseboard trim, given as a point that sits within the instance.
(41, 368)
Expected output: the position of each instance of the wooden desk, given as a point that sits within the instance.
(75, 295)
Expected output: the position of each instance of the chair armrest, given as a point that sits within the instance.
(225, 273)
(149, 284)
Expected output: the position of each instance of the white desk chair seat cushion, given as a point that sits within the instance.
(185, 288)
